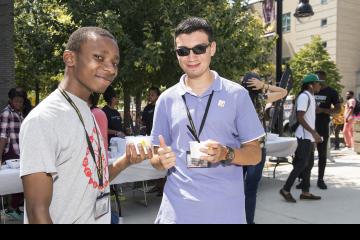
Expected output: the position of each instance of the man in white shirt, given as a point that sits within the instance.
(307, 136)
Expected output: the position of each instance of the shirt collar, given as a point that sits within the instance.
(217, 85)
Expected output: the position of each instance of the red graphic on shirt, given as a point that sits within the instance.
(92, 176)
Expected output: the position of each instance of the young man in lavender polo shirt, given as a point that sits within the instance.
(231, 129)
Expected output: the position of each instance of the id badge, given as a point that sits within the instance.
(196, 163)
(102, 205)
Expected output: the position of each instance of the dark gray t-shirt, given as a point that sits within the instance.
(52, 140)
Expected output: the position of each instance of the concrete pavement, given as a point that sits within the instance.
(340, 203)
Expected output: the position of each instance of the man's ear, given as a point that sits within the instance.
(69, 58)
(213, 48)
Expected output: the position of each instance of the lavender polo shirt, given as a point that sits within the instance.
(216, 194)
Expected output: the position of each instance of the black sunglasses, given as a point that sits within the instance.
(197, 50)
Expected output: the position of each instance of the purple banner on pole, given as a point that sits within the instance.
(269, 11)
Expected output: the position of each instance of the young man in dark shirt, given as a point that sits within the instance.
(112, 114)
(328, 104)
(148, 113)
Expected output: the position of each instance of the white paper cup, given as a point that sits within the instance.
(145, 141)
(195, 148)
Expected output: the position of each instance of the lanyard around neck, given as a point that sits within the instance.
(192, 127)
(91, 149)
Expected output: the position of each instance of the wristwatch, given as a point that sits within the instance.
(230, 157)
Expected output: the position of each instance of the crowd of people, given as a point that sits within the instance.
(63, 143)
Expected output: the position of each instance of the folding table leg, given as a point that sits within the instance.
(145, 194)
(2, 210)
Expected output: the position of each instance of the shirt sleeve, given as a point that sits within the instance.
(38, 148)
(248, 124)
(303, 102)
(4, 125)
(161, 124)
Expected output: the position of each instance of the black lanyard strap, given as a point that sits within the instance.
(91, 149)
(191, 121)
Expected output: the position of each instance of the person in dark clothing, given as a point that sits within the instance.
(328, 104)
(148, 113)
(114, 118)
(27, 107)
(147, 120)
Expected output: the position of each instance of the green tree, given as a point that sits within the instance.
(314, 57)
(41, 28)
(144, 29)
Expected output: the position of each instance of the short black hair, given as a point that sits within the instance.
(155, 89)
(321, 74)
(109, 94)
(13, 93)
(81, 35)
(351, 92)
(194, 24)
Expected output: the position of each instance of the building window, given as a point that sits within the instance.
(323, 2)
(286, 22)
(324, 22)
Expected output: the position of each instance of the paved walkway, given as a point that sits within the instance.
(340, 203)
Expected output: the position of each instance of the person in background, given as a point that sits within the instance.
(338, 121)
(115, 125)
(27, 103)
(306, 135)
(261, 94)
(147, 120)
(11, 119)
(349, 119)
(328, 104)
(148, 113)
(100, 117)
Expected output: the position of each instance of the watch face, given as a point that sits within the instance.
(231, 155)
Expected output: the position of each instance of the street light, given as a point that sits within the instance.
(303, 10)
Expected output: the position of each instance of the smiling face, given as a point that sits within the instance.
(195, 66)
(95, 66)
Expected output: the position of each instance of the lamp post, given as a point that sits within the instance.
(303, 10)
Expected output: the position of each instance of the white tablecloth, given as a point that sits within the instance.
(140, 172)
(10, 181)
(281, 147)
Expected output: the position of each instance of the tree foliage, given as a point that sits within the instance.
(41, 29)
(314, 57)
(144, 29)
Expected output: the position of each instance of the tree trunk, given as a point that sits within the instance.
(127, 114)
(138, 102)
(37, 92)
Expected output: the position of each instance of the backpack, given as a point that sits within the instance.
(357, 108)
(293, 121)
